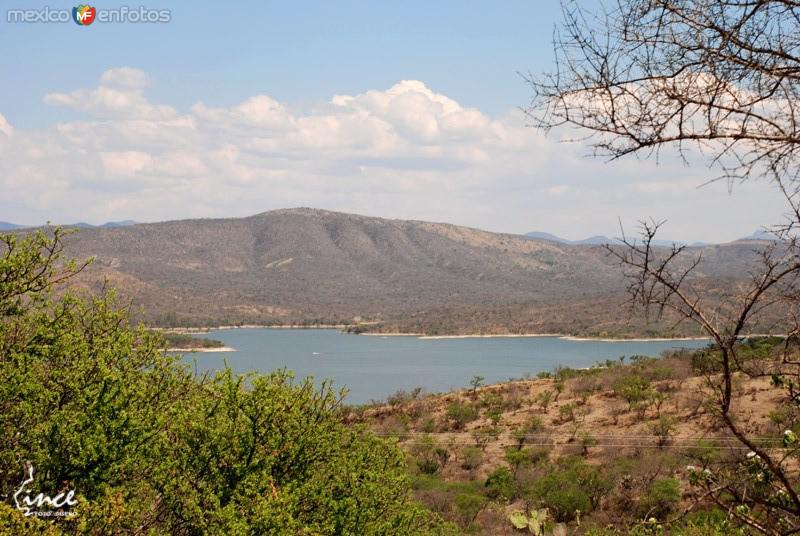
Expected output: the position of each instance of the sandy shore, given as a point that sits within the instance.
(192, 350)
(498, 336)
(655, 339)
(207, 329)
(378, 334)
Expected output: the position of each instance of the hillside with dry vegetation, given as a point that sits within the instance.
(627, 446)
(307, 266)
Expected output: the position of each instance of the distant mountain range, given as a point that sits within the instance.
(599, 240)
(309, 266)
(6, 226)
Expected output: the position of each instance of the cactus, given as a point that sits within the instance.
(535, 522)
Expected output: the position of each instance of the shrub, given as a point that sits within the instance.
(476, 382)
(460, 414)
(500, 484)
(468, 506)
(429, 455)
(564, 501)
(566, 413)
(471, 458)
(544, 398)
(106, 412)
(661, 499)
(532, 426)
(587, 441)
(633, 389)
(571, 487)
(663, 429)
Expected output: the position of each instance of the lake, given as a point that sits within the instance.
(373, 367)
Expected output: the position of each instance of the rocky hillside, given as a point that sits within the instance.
(313, 266)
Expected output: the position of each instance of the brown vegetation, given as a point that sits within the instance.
(632, 427)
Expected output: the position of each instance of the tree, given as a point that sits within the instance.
(97, 406)
(722, 77)
(476, 382)
(544, 398)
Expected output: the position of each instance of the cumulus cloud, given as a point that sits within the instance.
(403, 151)
(125, 77)
(119, 95)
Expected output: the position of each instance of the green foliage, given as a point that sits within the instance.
(572, 488)
(468, 506)
(661, 499)
(544, 398)
(471, 458)
(429, 455)
(97, 406)
(460, 414)
(183, 340)
(500, 484)
(634, 389)
(663, 428)
(526, 456)
(531, 427)
(476, 382)
(566, 413)
(534, 522)
(587, 441)
(709, 360)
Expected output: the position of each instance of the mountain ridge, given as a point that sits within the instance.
(311, 266)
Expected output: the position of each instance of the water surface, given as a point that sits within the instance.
(373, 367)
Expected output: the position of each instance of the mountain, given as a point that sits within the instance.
(123, 223)
(761, 234)
(600, 240)
(6, 226)
(84, 225)
(547, 236)
(313, 266)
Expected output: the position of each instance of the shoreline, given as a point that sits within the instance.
(422, 336)
(380, 334)
(641, 339)
(208, 329)
(204, 350)
(497, 336)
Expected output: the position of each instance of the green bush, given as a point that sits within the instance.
(468, 506)
(633, 389)
(429, 455)
(661, 498)
(570, 487)
(471, 458)
(500, 484)
(97, 406)
(531, 427)
(460, 414)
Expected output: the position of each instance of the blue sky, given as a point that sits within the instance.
(406, 110)
(298, 52)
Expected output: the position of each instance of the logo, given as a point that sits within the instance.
(84, 15)
(34, 505)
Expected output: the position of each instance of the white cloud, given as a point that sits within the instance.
(119, 95)
(5, 126)
(406, 151)
(125, 77)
